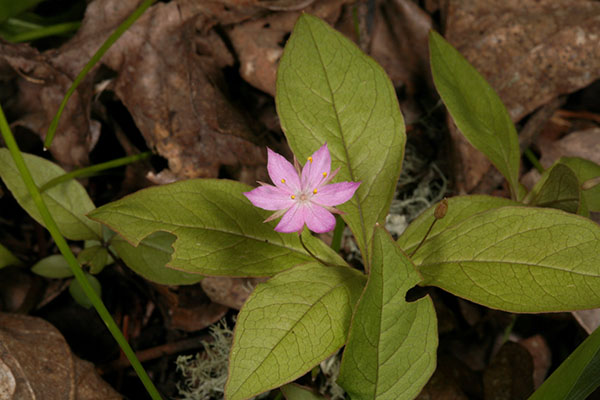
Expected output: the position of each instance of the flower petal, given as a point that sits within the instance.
(312, 173)
(269, 197)
(282, 172)
(318, 219)
(335, 193)
(293, 220)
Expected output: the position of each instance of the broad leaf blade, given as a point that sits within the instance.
(7, 258)
(585, 170)
(54, 266)
(558, 188)
(517, 259)
(78, 293)
(290, 324)
(329, 91)
(150, 257)
(391, 350)
(577, 377)
(459, 209)
(96, 257)
(219, 232)
(476, 108)
(68, 202)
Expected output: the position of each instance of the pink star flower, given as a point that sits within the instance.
(304, 197)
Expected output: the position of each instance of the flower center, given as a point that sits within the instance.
(304, 196)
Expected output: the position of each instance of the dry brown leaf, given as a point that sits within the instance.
(541, 356)
(588, 319)
(188, 308)
(231, 292)
(19, 290)
(530, 52)
(259, 43)
(510, 374)
(41, 85)
(584, 144)
(399, 43)
(36, 363)
(169, 77)
(448, 380)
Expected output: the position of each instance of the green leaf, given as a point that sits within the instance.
(13, 8)
(577, 377)
(68, 202)
(329, 91)
(79, 295)
(150, 257)
(517, 259)
(557, 188)
(585, 170)
(219, 232)
(7, 258)
(459, 209)
(96, 257)
(54, 266)
(292, 391)
(476, 108)
(391, 350)
(290, 324)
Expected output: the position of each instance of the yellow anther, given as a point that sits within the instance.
(315, 191)
(324, 174)
(310, 159)
(293, 197)
(283, 181)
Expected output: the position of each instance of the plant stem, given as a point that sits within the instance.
(45, 31)
(94, 169)
(533, 160)
(90, 64)
(424, 237)
(68, 254)
(336, 241)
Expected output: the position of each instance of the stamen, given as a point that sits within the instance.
(283, 181)
(309, 159)
(315, 191)
(293, 197)
(324, 174)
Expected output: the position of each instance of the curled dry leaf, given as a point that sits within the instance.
(36, 363)
(529, 51)
(41, 83)
(588, 319)
(541, 357)
(259, 43)
(510, 374)
(169, 76)
(399, 43)
(231, 292)
(188, 307)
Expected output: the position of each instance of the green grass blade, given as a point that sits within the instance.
(68, 254)
(94, 169)
(41, 32)
(577, 377)
(11, 8)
